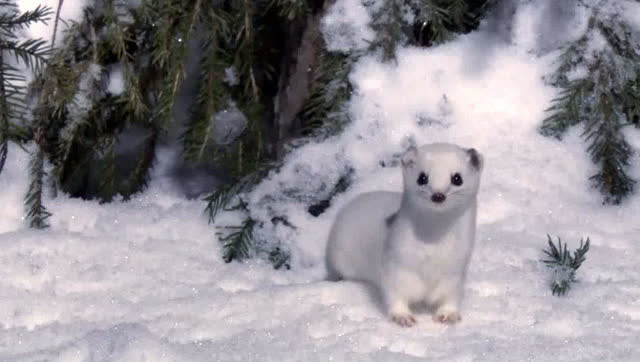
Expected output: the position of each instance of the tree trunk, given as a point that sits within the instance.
(302, 48)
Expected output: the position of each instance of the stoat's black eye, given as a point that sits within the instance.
(456, 179)
(423, 179)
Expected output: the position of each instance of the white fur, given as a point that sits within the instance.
(408, 246)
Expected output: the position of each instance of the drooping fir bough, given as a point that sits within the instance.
(15, 53)
(110, 94)
(599, 81)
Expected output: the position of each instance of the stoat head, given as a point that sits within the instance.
(441, 176)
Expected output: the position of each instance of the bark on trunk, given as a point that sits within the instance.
(303, 44)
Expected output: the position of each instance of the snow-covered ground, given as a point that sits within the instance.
(144, 280)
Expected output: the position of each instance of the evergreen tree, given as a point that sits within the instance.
(599, 81)
(116, 76)
(82, 116)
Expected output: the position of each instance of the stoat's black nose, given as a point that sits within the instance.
(438, 197)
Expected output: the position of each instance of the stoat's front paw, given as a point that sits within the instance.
(405, 320)
(448, 317)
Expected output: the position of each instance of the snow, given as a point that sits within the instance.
(143, 280)
(346, 26)
(231, 76)
(631, 12)
(546, 25)
(228, 124)
(86, 93)
(116, 81)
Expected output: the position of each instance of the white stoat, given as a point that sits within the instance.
(413, 246)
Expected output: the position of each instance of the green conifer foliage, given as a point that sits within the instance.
(14, 52)
(325, 111)
(604, 98)
(423, 22)
(37, 213)
(31, 53)
(238, 241)
(564, 265)
(78, 121)
(149, 45)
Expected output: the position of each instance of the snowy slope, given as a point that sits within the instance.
(144, 281)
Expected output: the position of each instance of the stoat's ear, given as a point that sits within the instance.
(475, 159)
(410, 156)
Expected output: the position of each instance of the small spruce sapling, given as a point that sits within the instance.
(563, 264)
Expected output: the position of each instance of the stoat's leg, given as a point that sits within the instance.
(400, 287)
(446, 314)
(400, 313)
(449, 297)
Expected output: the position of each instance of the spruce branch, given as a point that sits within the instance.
(423, 22)
(438, 18)
(37, 213)
(132, 97)
(565, 110)
(604, 98)
(10, 21)
(55, 24)
(213, 94)
(457, 11)
(175, 23)
(119, 37)
(4, 148)
(388, 24)
(31, 52)
(223, 197)
(70, 136)
(108, 181)
(631, 100)
(291, 9)
(5, 112)
(445, 18)
(324, 113)
(237, 241)
(220, 198)
(139, 178)
(244, 43)
(279, 258)
(563, 264)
